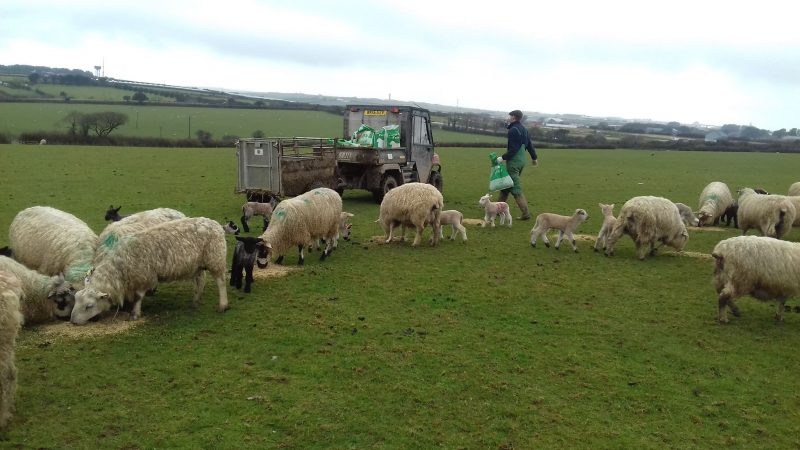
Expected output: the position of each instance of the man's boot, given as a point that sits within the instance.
(523, 206)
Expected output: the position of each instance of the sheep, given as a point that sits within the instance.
(687, 216)
(453, 218)
(230, 227)
(128, 225)
(345, 227)
(608, 225)
(51, 241)
(175, 250)
(43, 297)
(10, 322)
(762, 267)
(113, 215)
(773, 215)
(714, 200)
(412, 204)
(564, 224)
(794, 189)
(300, 220)
(493, 209)
(648, 220)
(248, 251)
(730, 214)
(250, 209)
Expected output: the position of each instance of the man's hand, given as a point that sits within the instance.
(535, 162)
(499, 160)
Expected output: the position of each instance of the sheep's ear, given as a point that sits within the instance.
(268, 245)
(259, 240)
(611, 205)
(601, 205)
(118, 208)
(347, 214)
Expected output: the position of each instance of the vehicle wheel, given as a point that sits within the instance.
(388, 182)
(436, 180)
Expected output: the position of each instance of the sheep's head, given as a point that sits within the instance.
(230, 227)
(88, 304)
(344, 226)
(581, 214)
(485, 200)
(62, 294)
(679, 241)
(607, 210)
(113, 213)
(703, 218)
(264, 255)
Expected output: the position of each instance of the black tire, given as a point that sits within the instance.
(388, 182)
(436, 180)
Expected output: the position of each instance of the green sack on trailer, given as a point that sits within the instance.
(388, 137)
(499, 178)
(365, 135)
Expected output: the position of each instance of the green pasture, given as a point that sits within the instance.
(484, 344)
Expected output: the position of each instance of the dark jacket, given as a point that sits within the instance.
(517, 137)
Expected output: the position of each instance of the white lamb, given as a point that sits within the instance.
(413, 205)
(44, 297)
(298, 221)
(608, 225)
(565, 225)
(773, 215)
(250, 209)
(762, 267)
(453, 218)
(51, 241)
(648, 221)
(794, 189)
(128, 225)
(494, 209)
(10, 323)
(687, 215)
(176, 250)
(714, 200)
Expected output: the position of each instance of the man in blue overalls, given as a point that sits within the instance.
(518, 140)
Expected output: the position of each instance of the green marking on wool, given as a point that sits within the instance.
(306, 201)
(111, 240)
(279, 214)
(77, 273)
(711, 196)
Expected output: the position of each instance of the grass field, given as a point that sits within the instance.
(488, 344)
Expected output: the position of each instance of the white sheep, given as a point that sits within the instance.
(773, 215)
(608, 225)
(565, 225)
(10, 323)
(494, 209)
(345, 227)
(794, 189)
(454, 218)
(128, 225)
(51, 241)
(762, 267)
(714, 200)
(649, 220)
(687, 215)
(44, 297)
(250, 209)
(301, 220)
(413, 205)
(175, 250)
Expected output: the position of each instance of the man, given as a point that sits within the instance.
(518, 139)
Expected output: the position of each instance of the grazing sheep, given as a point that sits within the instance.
(51, 241)
(300, 220)
(247, 251)
(687, 216)
(730, 214)
(453, 218)
(128, 225)
(230, 227)
(10, 323)
(608, 225)
(649, 220)
(113, 215)
(794, 189)
(43, 297)
(493, 209)
(175, 250)
(345, 227)
(714, 200)
(250, 209)
(773, 215)
(413, 205)
(564, 224)
(762, 267)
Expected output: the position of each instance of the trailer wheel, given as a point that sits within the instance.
(436, 180)
(388, 182)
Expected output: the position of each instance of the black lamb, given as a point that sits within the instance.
(248, 250)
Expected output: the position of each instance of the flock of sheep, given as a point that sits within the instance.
(56, 267)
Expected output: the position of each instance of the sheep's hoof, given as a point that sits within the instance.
(576, 250)
(548, 245)
(595, 250)
(133, 317)
(223, 308)
(533, 244)
(301, 262)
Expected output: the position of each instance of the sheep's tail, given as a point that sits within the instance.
(781, 224)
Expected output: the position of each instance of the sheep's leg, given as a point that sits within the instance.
(600, 239)
(508, 218)
(781, 308)
(572, 241)
(223, 293)
(233, 272)
(199, 285)
(544, 237)
(725, 301)
(388, 231)
(245, 227)
(328, 249)
(491, 219)
(302, 259)
(437, 230)
(485, 220)
(403, 233)
(248, 277)
(559, 239)
(462, 230)
(136, 312)
(417, 236)
(279, 260)
(8, 387)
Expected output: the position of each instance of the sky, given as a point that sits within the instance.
(704, 61)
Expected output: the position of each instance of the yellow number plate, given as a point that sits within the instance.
(372, 112)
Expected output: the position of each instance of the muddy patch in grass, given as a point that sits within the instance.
(109, 325)
(274, 271)
(702, 229)
(696, 255)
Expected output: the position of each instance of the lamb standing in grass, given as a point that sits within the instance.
(772, 214)
(51, 241)
(649, 220)
(413, 205)
(250, 209)
(453, 218)
(494, 209)
(44, 297)
(714, 200)
(248, 251)
(608, 225)
(175, 250)
(564, 224)
(298, 221)
(762, 267)
(10, 323)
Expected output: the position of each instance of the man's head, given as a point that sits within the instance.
(515, 116)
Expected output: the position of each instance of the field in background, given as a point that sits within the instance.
(488, 344)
